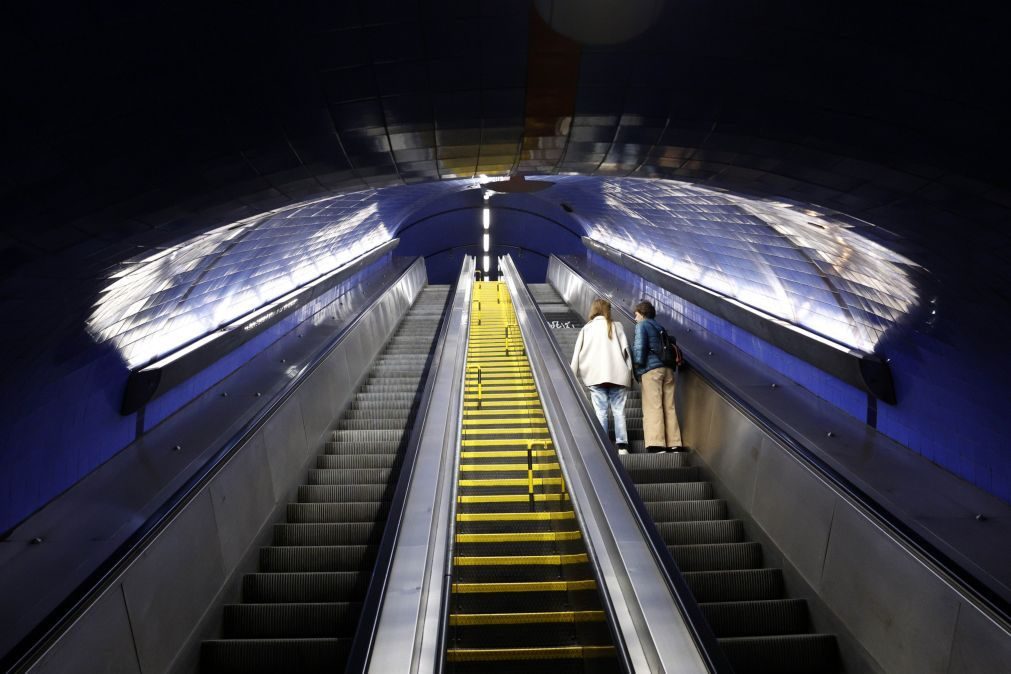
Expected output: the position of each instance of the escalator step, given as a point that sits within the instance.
(523, 636)
(717, 556)
(680, 511)
(364, 448)
(662, 475)
(757, 618)
(688, 533)
(519, 573)
(358, 461)
(272, 656)
(316, 558)
(303, 587)
(682, 491)
(353, 476)
(525, 602)
(342, 493)
(656, 461)
(370, 435)
(317, 513)
(792, 654)
(290, 621)
(330, 533)
(383, 423)
(736, 585)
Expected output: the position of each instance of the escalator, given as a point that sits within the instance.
(759, 628)
(300, 610)
(523, 595)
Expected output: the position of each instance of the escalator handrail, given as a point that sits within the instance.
(409, 634)
(702, 634)
(955, 574)
(368, 623)
(60, 619)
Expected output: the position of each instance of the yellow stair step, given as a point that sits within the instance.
(534, 586)
(520, 537)
(474, 619)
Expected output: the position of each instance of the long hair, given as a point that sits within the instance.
(602, 307)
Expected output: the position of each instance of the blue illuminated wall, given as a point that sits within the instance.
(950, 401)
(74, 425)
(842, 277)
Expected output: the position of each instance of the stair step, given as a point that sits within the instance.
(291, 621)
(757, 618)
(269, 656)
(331, 586)
(735, 585)
(717, 556)
(344, 533)
(789, 654)
(302, 558)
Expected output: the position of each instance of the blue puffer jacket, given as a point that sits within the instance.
(646, 346)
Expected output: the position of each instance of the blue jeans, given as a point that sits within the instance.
(613, 397)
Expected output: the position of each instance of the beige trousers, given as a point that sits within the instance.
(659, 418)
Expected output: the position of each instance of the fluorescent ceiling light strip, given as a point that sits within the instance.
(486, 242)
(486, 217)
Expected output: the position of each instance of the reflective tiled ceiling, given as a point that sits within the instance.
(132, 128)
(156, 304)
(818, 270)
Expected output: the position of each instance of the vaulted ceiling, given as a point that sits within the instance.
(132, 127)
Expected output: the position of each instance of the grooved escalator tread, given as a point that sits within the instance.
(524, 594)
(273, 656)
(318, 620)
(301, 610)
(759, 629)
(782, 654)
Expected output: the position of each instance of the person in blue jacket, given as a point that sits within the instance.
(659, 418)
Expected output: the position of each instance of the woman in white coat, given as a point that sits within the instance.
(601, 360)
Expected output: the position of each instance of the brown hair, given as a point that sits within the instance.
(601, 307)
(646, 309)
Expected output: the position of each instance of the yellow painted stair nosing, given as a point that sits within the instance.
(510, 498)
(541, 516)
(522, 654)
(521, 537)
(532, 618)
(512, 482)
(506, 467)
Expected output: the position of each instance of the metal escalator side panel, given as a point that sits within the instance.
(647, 616)
(302, 606)
(756, 625)
(408, 636)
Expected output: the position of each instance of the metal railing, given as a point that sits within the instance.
(60, 619)
(704, 640)
(953, 572)
(365, 635)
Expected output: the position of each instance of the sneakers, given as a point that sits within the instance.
(622, 447)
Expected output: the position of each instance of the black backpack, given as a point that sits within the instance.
(669, 353)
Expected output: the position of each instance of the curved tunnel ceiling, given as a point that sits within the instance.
(131, 131)
(815, 269)
(888, 112)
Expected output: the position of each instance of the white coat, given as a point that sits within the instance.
(599, 360)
